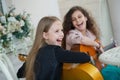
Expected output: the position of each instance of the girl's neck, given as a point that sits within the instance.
(83, 32)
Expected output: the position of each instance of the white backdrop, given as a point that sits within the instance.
(114, 7)
(37, 8)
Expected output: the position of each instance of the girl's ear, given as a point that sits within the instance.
(45, 35)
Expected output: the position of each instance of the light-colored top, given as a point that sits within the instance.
(75, 37)
(112, 56)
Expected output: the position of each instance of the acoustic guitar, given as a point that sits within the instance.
(85, 71)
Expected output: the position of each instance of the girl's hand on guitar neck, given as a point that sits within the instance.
(99, 48)
(99, 51)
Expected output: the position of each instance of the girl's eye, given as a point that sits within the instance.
(62, 30)
(79, 16)
(73, 19)
(57, 31)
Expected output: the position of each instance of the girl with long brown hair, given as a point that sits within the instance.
(80, 28)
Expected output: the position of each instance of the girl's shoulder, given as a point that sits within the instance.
(50, 46)
(73, 34)
(74, 31)
(49, 49)
(91, 35)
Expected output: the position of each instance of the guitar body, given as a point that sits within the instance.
(90, 51)
(85, 71)
(83, 48)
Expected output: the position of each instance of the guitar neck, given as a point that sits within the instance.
(110, 46)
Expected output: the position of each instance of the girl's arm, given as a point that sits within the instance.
(89, 42)
(66, 56)
(77, 38)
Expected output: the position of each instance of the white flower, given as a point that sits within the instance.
(2, 19)
(22, 23)
(9, 35)
(1, 40)
(11, 19)
(13, 26)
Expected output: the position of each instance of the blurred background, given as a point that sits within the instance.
(105, 12)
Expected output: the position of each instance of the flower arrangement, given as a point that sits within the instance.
(13, 26)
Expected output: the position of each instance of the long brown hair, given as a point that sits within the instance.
(44, 25)
(90, 24)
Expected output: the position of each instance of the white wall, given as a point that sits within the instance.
(105, 23)
(114, 7)
(37, 8)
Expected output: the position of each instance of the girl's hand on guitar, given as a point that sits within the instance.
(100, 50)
(100, 47)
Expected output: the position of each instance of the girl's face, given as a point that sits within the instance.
(55, 34)
(79, 20)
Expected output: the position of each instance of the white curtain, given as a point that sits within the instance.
(4, 6)
(115, 18)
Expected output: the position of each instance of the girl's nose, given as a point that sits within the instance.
(62, 34)
(77, 20)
